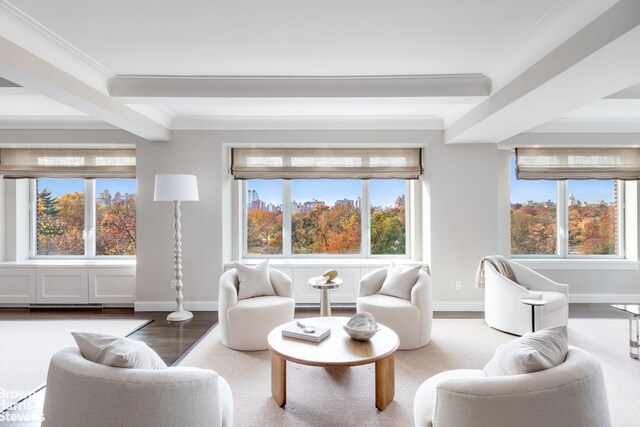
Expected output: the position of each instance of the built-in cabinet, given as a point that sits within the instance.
(67, 285)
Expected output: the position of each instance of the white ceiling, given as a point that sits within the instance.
(71, 55)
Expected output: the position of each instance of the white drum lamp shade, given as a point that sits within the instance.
(170, 187)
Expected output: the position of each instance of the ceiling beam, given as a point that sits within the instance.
(145, 88)
(30, 71)
(632, 92)
(597, 61)
(534, 139)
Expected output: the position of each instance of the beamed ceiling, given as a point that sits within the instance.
(500, 71)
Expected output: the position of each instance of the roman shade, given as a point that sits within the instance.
(578, 163)
(67, 163)
(301, 163)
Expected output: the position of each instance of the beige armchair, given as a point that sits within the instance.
(503, 309)
(410, 319)
(245, 324)
(82, 393)
(572, 394)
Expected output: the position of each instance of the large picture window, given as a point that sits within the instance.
(566, 218)
(321, 217)
(84, 217)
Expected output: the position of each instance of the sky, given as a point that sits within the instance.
(63, 186)
(383, 192)
(589, 191)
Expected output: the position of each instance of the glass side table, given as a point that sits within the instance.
(634, 335)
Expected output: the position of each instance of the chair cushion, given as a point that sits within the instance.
(118, 352)
(532, 352)
(377, 300)
(254, 281)
(399, 281)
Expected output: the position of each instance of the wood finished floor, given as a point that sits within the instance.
(173, 340)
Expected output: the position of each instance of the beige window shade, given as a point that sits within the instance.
(300, 163)
(67, 163)
(578, 163)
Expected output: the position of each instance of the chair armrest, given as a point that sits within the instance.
(281, 283)
(228, 293)
(421, 291)
(371, 282)
(536, 281)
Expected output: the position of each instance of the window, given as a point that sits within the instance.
(84, 217)
(320, 217)
(567, 218)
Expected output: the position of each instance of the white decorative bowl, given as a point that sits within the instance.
(361, 327)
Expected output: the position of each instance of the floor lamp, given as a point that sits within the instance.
(177, 188)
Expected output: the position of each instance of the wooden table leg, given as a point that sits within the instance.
(278, 379)
(385, 381)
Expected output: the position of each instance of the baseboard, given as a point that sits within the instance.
(605, 298)
(171, 306)
(458, 306)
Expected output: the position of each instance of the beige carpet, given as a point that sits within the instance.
(345, 397)
(27, 347)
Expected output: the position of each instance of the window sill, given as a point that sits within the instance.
(70, 263)
(323, 262)
(578, 264)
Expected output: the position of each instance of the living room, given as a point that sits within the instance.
(187, 87)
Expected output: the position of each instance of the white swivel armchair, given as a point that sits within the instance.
(571, 394)
(245, 323)
(410, 319)
(503, 309)
(82, 393)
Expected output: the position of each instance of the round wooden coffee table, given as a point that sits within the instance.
(338, 349)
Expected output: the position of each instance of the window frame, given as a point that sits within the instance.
(89, 233)
(365, 228)
(562, 227)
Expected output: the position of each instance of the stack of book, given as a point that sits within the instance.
(306, 332)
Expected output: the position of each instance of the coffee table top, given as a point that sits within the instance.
(338, 349)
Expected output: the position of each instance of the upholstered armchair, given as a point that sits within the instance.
(245, 323)
(571, 394)
(503, 309)
(409, 318)
(82, 393)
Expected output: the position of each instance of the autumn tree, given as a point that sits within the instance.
(264, 231)
(116, 227)
(388, 231)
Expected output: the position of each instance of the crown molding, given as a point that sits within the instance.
(52, 122)
(575, 125)
(566, 139)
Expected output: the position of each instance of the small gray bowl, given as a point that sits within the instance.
(361, 327)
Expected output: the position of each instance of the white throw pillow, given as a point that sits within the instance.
(532, 352)
(118, 352)
(399, 281)
(254, 281)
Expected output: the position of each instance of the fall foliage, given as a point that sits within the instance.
(60, 225)
(592, 229)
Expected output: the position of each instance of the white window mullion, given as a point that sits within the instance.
(365, 219)
(286, 218)
(90, 217)
(562, 219)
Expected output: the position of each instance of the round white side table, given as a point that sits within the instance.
(321, 283)
(533, 302)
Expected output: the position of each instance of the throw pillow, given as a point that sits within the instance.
(399, 281)
(118, 352)
(254, 281)
(532, 352)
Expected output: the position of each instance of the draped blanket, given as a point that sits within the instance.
(502, 266)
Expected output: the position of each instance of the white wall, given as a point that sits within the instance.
(465, 216)
(2, 221)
